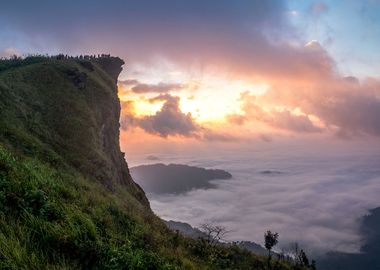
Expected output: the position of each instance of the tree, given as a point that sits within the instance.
(271, 239)
(213, 233)
(300, 258)
(303, 258)
(313, 265)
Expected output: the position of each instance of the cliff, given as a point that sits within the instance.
(71, 107)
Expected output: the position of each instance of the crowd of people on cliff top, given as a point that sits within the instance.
(57, 57)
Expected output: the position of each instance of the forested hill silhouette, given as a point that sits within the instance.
(176, 178)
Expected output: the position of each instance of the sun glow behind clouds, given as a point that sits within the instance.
(208, 99)
(218, 97)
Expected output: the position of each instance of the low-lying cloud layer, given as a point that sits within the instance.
(316, 200)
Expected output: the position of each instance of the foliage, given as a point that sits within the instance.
(213, 233)
(271, 239)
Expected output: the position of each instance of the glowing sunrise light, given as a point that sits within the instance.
(144, 107)
(208, 96)
(218, 98)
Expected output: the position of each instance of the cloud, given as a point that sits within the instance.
(130, 82)
(169, 121)
(286, 120)
(9, 52)
(352, 113)
(212, 135)
(323, 201)
(265, 138)
(152, 157)
(278, 119)
(244, 37)
(138, 87)
(344, 105)
(319, 8)
(161, 87)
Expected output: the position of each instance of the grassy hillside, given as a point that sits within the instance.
(67, 200)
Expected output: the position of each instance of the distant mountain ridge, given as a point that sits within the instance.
(184, 228)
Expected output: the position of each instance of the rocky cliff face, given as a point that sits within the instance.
(72, 106)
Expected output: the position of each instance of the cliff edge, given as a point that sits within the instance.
(66, 111)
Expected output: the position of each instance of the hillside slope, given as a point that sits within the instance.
(67, 200)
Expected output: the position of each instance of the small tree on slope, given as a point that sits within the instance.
(271, 239)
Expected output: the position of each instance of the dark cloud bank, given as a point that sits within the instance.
(169, 121)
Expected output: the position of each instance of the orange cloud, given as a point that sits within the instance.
(283, 119)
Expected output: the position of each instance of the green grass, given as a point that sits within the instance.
(67, 200)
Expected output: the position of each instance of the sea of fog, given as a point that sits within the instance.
(311, 193)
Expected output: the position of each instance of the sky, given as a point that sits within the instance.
(216, 78)
(221, 71)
